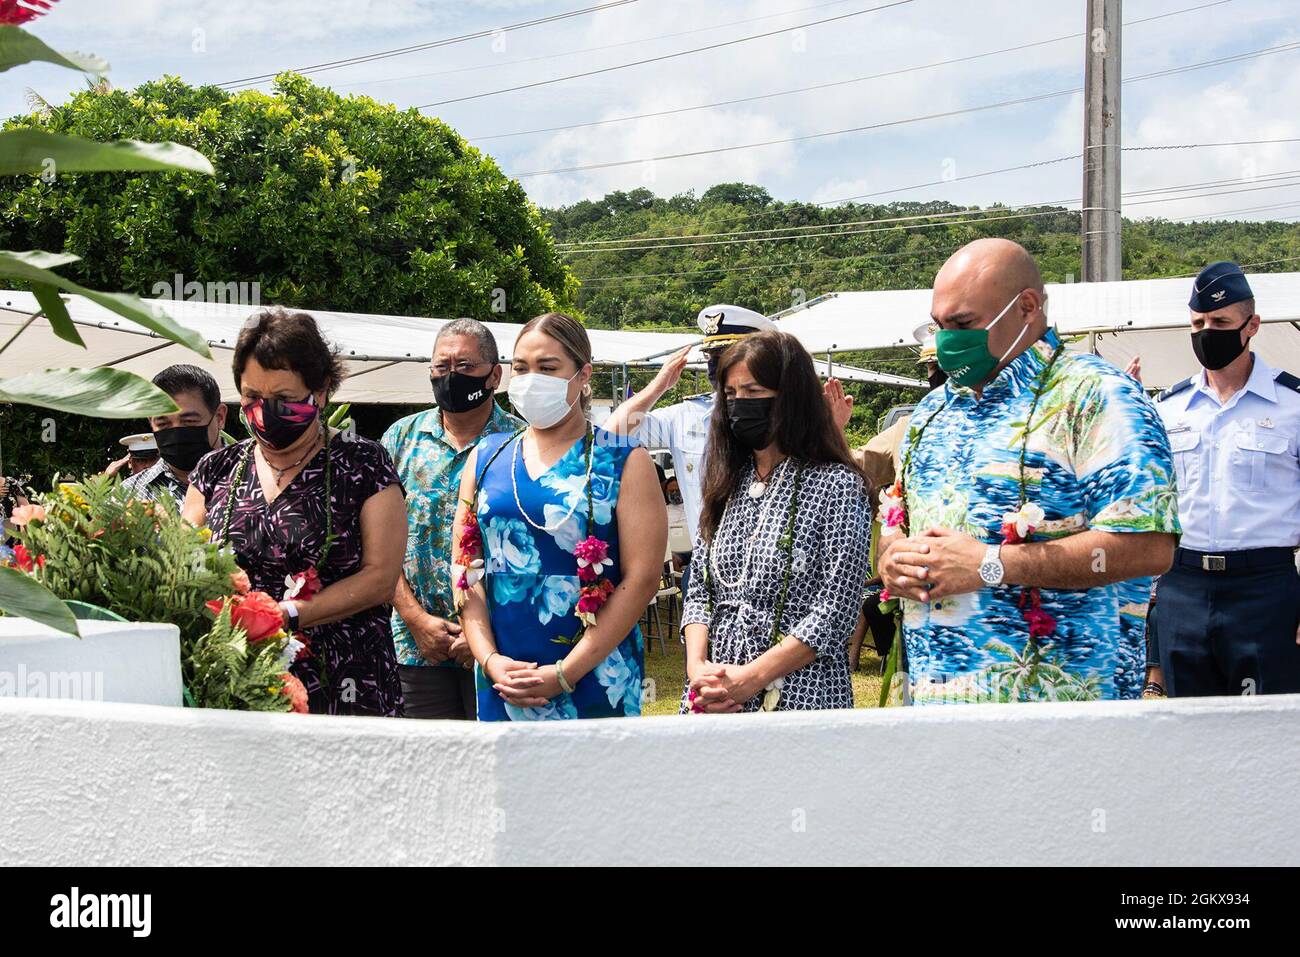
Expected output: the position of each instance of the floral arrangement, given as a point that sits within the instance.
(89, 543)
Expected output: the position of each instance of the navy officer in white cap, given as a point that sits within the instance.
(683, 428)
(1227, 621)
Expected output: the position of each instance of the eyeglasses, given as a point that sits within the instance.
(464, 368)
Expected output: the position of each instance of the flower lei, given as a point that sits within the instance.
(786, 545)
(303, 585)
(591, 554)
(1017, 526)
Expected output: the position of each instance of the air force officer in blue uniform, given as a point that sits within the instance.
(1227, 618)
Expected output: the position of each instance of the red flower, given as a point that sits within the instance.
(297, 694)
(257, 613)
(1041, 624)
(14, 13)
(1009, 534)
(592, 549)
(24, 560)
(470, 539)
(587, 573)
(308, 584)
(593, 597)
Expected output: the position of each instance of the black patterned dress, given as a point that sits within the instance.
(352, 668)
(739, 595)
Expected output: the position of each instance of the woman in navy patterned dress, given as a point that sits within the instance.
(267, 497)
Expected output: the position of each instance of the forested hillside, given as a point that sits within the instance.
(648, 262)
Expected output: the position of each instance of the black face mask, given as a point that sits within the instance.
(182, 447)
(1216, 348)
(751, 421)
(937, 378)
(457, 392)
(713, 358)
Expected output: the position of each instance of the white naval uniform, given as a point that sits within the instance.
(1237, 463)
(683, 429)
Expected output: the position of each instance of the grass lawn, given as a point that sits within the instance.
(667, 671)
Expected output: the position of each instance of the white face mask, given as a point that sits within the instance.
(541, 399)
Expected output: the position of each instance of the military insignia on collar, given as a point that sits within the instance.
(712, 320)
(1216, 296)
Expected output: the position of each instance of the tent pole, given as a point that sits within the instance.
(21, 329)
(135, 355)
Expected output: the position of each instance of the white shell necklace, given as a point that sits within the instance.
(578, 499)
(753, 536)
(759, 485)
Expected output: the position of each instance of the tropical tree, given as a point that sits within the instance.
(322, 201)
(106, 393)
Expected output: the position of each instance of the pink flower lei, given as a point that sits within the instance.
(591, 554)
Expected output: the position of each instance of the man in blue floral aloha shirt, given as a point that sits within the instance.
(429, 450)
(1037, 483)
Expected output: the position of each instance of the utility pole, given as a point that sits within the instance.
(1101, 143)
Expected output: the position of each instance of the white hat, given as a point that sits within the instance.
(139, 443)
(723, 324)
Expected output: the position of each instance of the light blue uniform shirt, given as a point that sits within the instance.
(1237, 463)
(682, 429)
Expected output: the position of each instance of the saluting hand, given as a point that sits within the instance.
(840, 402)
(671, 371)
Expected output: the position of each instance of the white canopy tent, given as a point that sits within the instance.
(1147, 317)
(387, 356)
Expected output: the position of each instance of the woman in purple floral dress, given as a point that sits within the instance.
(267, 497)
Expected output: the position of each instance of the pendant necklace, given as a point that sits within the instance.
(759, 485)
(279, 473)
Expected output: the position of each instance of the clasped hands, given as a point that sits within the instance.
(937, 564)
(721, 689)
(439, 639)
(522, 683)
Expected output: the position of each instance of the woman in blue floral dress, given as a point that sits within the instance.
(563, 549)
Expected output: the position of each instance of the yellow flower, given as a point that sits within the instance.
(69, 491)
(205, 534)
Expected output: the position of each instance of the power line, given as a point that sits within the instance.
(836, 234)
(824, 86)
(831, 231)
(658, 59)
(593, 243)
(1018, 101)
(448, 41)
(972, 221)
(607, 46)
(1231, 212)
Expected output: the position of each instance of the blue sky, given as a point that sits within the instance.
(220, 40)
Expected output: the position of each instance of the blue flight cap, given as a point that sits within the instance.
(1217, 285)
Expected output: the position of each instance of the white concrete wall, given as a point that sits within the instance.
(1209, 781)
(123, 661)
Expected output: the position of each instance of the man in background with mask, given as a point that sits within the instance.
(1228, 618)
(429, 450)
(183, 437)
(683, 428)
(1016, 537)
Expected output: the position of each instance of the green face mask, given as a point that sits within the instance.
(964, 353)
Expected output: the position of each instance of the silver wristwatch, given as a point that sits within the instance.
(991, 570)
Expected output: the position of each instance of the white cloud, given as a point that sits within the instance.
(1251, 100)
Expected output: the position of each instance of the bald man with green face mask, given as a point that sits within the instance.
(1036, 483)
